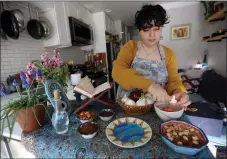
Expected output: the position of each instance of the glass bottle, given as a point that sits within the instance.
(60, 118)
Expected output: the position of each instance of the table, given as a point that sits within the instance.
(45, 143)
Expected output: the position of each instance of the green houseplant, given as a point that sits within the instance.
(28, 109)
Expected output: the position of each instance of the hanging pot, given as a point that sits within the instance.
(46, 25)
(20, 19)
(34, 27)
(3, 35)
(9, 24)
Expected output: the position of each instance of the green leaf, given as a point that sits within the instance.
(13, 122)
(36, 116)
(10, 129)
(46, 111)
(26, 116)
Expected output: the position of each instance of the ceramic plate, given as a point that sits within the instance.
(128, 132)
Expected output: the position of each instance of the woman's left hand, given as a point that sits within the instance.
(182, 99)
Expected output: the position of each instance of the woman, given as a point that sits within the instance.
(145, 64)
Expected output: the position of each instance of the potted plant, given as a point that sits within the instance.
(54, 68)
(28, 109)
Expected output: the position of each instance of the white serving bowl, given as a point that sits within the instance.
(88, 136)
(106, 118)
(85, 121)
(164, 115)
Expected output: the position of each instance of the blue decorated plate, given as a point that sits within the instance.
(128, 132)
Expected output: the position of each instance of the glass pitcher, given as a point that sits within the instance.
(60, 118)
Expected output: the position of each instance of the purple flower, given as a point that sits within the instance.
(15, 82)
(39, 73)
(25, 84)
(33, 73)
(22, 76)
(3, 92)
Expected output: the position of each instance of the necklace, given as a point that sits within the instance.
(148, 54)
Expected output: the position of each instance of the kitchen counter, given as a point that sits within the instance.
(14, 96)
(45, 143)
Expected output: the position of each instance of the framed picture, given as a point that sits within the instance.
(181, 32)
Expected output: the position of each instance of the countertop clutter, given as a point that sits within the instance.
(73, 144)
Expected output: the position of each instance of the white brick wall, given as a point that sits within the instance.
(15, 54)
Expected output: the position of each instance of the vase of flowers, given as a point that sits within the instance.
(54, 68)
(29, 108)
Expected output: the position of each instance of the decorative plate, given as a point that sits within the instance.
(128, 132)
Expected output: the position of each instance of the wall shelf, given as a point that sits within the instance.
(218, 16)
(216, 38)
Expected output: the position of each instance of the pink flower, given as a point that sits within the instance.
(30, 66)
(44, 57)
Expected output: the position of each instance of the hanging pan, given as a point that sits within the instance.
(46, 25)
(20, 19)
(9, 24)
(34, 27)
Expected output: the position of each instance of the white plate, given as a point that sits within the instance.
(143, 129)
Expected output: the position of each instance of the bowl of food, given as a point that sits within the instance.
(88, 130)
(167, 111)
(183, 137)
(136, 102)
(86, 116)
(106, 114)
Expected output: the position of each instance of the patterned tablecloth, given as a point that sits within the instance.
(45, 143)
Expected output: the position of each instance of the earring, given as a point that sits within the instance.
(161, 38)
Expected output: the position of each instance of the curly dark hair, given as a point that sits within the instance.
(144, 17)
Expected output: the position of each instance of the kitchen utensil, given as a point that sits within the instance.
(20, 19)
(34, 27)
(46, 25)
(9, 24)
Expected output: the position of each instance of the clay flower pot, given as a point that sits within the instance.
(32, 124)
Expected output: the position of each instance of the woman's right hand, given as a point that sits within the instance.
(158, 93)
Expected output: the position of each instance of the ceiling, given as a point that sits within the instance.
(126, 10)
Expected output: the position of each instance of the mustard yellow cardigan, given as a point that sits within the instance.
(129, 79)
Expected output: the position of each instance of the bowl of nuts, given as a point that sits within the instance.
(86, 116)
(183, 137)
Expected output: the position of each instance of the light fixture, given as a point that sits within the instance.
(121, 32)
(88, 6)
(108, 10)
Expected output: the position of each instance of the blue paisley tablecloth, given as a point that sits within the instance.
(45, 143)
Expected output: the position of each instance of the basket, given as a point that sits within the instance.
(134, 110)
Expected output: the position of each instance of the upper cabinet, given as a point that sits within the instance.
(60, 33)
(109, 25)
(58, 17)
